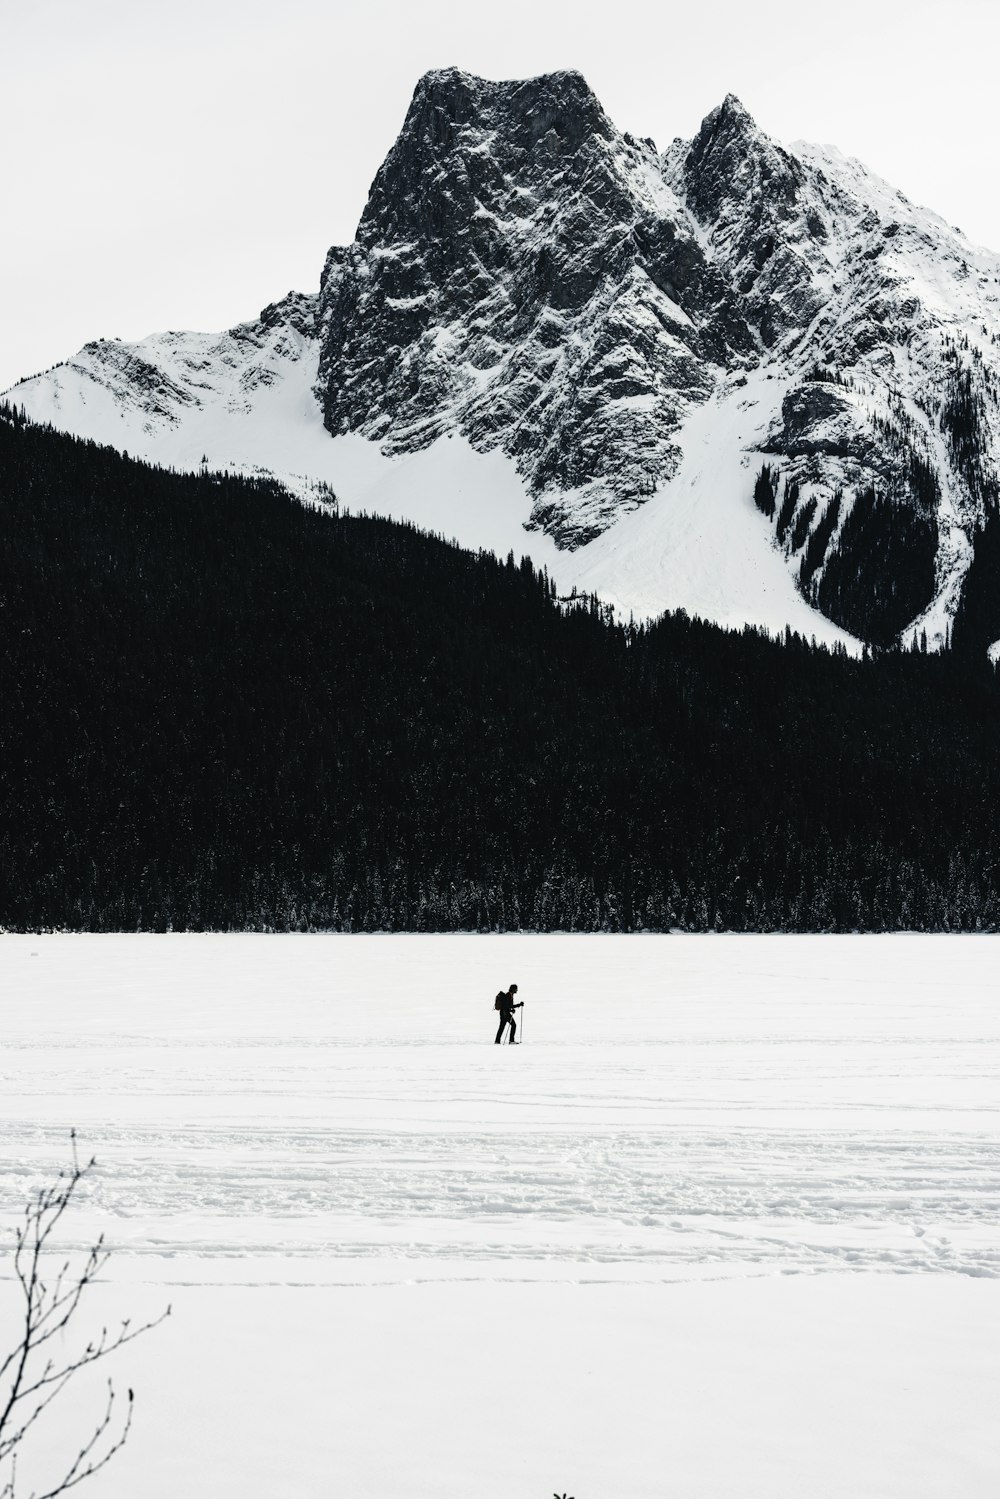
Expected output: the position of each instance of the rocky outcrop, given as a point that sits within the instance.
(766, 235)
(523, 274)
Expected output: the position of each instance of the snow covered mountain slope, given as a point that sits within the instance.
(720, 568)
(159, 397)
(549, 337)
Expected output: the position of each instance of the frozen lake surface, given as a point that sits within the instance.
(728, 1223)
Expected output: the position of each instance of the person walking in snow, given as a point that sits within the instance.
(506, 1006)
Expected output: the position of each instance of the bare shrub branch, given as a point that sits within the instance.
(33, 1376)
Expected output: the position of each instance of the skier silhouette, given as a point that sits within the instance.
(506, 1006)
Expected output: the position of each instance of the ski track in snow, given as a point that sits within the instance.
(720, 1123)
(677, 1202)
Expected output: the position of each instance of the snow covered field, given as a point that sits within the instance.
(728, 1224)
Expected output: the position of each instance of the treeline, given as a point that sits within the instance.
(222, 710)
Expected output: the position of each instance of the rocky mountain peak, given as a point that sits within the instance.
(746, 192)
(622, 326)
(447, 99)
(732, 159)
(729, 118)
(296, 310)
(522, 273)
(465, 138)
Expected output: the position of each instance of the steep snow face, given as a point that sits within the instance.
(157, 398)
(701, 532)
(586, 350)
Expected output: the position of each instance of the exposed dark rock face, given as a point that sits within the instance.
(523, 274)
(817, 418)
(296, 310)
(750, 195)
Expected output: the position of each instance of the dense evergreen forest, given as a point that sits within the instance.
(223, 710)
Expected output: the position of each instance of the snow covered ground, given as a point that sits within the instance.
(728, 1224)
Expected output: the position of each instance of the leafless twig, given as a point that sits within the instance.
(36, 1370)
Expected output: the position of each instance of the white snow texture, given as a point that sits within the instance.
(727, 1223)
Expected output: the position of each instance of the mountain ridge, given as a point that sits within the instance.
(570, 302)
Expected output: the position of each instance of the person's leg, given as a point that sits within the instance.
(503, 1022)
(513, 1029)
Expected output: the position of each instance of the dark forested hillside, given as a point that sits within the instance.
(223, 710)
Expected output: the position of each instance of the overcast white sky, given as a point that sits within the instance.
(178, 165)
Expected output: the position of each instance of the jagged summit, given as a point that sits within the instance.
(523, 274)
(732, 114)
(728, 134)
(453, 86)
(450, 82)
(731, 156)
(629, 337)
(447, 103)
(296, 309)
